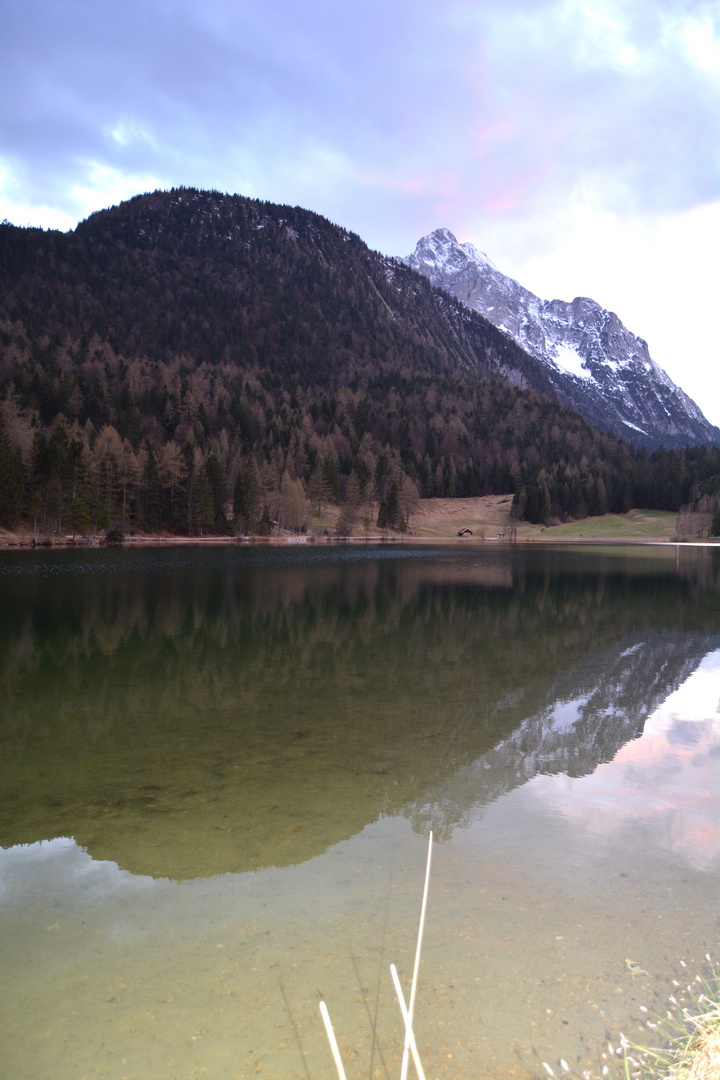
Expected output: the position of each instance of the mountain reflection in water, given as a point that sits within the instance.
(586, 717)
(185, 714)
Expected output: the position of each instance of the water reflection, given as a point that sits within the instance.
(665, 784)
(584, 719)
(667, 765)
(535, 904)
(191, 713)
(554, 716)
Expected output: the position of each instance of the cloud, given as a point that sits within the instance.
(502, 119)
(514, 101)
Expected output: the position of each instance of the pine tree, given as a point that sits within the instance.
(246, 497)
(319, 490)
(204, 516)
(11, 478)
(152, 494)
(78, 516)
(215, 476)
(715, 527)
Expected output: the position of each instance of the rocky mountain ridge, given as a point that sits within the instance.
(596, 365)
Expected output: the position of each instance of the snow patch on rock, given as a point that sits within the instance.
(569, 359)
(597, 366)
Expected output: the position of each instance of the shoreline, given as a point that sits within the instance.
(20, 541)
(484, 519)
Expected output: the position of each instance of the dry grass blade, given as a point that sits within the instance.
(409, 1034)
(332, 1040)
(416, 968)
(693, 1050)
(407, 1011)
(690, 1032)
(697, 1056)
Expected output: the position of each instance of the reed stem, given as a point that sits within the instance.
(413, 988)
(332, 1040)
(409, 1034)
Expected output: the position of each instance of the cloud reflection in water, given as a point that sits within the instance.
(666, 780)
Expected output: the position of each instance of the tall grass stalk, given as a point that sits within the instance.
(332, 1040)
(409, 1034)
(410, 1047)
(416, 968)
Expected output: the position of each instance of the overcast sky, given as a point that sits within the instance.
(576, 142)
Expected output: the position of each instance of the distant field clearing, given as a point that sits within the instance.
(489, 516)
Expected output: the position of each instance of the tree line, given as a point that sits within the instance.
(255, 451)
(193, 362)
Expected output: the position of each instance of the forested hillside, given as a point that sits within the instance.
(189, 356)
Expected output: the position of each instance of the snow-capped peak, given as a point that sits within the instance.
(441, 248)
(597, 365)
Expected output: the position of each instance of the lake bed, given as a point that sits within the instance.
(220, 768)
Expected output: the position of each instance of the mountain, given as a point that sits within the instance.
(184, 339)
(595, 364)
(215, 277)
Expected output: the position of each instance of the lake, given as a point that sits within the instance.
(220, 767)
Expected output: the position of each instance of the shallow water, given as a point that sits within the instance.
(220, 768)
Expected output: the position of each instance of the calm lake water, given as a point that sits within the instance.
(218, 772)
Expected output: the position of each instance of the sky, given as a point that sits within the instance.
(575, 142)
(667, 780)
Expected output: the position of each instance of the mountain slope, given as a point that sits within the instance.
(594, 363)
(173, 344)
(212, 276)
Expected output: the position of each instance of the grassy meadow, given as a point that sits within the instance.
(488, 518)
